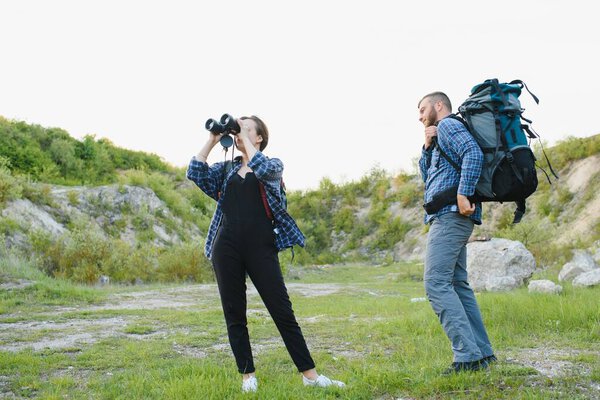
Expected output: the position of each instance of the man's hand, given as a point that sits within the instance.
(430, 133)
(465, 207)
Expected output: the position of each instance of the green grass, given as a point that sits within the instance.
(359, 322)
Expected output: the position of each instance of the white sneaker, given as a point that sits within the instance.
(322, 381)
(250, 385)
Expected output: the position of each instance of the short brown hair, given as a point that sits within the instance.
(261, 130)
(435, 97)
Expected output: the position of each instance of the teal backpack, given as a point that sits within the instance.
(493, 115)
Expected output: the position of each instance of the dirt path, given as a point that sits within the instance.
(58, 329)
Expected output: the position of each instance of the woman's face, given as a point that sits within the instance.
(248, 126)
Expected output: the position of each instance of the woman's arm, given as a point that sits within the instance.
(208, 178)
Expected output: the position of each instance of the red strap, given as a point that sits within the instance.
(263, 196)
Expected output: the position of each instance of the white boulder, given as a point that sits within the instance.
(591, 278)
(582, 262)
(544, 286)
(498, 265)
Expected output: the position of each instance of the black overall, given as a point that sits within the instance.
(245, 244)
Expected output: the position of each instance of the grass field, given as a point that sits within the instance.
(362, 324)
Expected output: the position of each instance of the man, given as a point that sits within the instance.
(445, 276)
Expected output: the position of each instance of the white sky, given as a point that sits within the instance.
(337, 82)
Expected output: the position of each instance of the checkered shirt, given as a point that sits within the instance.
(267, 170)
(438, 174)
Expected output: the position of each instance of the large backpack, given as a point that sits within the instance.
(493, 115)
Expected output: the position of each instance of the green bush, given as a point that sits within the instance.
(73, 197)
(344, 220)
(10, 187)
(51, 155)
(38, 193)
(7, 226)
(389, 234)
(185, 262)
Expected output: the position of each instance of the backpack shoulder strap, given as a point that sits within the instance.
(263, 196)
(442, 152)
(446, 156)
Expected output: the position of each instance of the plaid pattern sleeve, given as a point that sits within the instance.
(210, 181)
(425, 162)
(269, 171)
(438, 174)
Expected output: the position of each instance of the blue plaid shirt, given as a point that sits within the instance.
(269, 172)
(438, 174)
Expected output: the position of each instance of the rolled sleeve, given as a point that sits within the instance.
(266, 169)
(208, 179)
(472, 161)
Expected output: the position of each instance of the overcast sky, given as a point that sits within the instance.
(337, 82)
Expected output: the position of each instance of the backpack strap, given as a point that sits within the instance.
(522, 84)
(446, 156)
(263, 196)
(519, 212)
(442, 152)
(533, 135)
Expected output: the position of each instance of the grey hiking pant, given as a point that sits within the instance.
(447, 288)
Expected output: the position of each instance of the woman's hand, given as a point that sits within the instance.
(208, 146)
(213, 139)
(246, 139)
(244, 129)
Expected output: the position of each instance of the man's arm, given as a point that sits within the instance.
(425, 161)
(471, 161)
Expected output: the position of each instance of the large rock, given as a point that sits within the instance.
(582, 262)
(32, 217)
(544, 286)
(498, 265)
(591, 278)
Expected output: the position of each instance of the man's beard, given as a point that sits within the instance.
(431, 118)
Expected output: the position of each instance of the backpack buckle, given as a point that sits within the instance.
(509, 157)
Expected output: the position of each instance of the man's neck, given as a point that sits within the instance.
(441, 116)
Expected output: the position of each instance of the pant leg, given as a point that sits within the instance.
(469, 302)
(265, 272)
(231, 279)
(447, 236)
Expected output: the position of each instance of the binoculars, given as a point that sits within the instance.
(225, 126)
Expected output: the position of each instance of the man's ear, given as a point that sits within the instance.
(439, 105)
(259, 139)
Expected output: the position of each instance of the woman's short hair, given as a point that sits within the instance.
(261, 130)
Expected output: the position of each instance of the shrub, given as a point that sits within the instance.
(185, 262)
(38, 193)
(73, 197)
(344, 220)
(10, 187)
(390, 233)
(8, 226)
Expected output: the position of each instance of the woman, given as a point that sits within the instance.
(249, 227)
